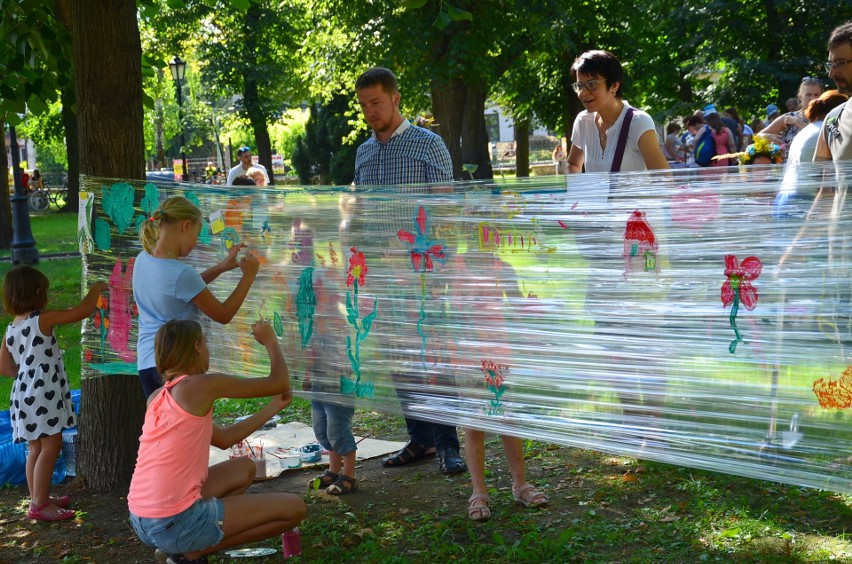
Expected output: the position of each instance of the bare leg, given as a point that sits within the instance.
(43, 472)
(348, 461)
(335, 462)
(474, 450)
(249, 518)
(513, 447)
(32, 457)
(232, 477)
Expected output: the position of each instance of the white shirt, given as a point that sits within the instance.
(804, 144)
(239, 171)
(585, 136)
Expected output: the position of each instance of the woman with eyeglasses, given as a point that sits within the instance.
(598, 129)
(803, 147)
(785, 128)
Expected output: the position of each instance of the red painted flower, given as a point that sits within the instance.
(357, 268)
(423, 251)
(739, 278)
(494, 373)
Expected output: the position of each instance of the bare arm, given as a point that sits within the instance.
(576, 158)
(777, 127)
(7, 364)
(822, 152)
(230, 263)
(651, 153)
(224, 312)
(50, 318)
(197, 393)
(224, 437)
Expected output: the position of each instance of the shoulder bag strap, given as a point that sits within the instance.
(622, 141)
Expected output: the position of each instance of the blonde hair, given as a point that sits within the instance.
(173, 210)
(24, 290)
(174, 346)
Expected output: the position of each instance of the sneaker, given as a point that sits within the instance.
(450, 462)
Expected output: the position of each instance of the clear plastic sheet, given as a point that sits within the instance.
(696, 317)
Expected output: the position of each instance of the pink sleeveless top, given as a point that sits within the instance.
(174, 453)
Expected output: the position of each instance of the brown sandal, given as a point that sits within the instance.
(323, 480)
(478, 509)
(342, 485)
(410, 453)
(528, 496)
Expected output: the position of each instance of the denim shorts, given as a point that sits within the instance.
(195, 528)
(332, 425)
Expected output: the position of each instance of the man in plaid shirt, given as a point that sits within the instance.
(399, 153)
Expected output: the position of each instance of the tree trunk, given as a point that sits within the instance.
(72, 147)
(522, 148)
(474, 145)
(108, 82)
(251, 96)
(448, 103)
(5, 203)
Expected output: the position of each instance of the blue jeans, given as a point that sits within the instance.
(195, 528)
(151, 381)
(332, 425)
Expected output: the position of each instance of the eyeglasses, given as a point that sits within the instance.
(835, 64)
(589, 85)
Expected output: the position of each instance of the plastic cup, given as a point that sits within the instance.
(260, 464)
(291, 543)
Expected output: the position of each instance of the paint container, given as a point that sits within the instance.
(290, 461)
(260, 464)
(291, 543)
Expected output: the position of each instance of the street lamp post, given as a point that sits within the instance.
(23, 245)
(178, 68)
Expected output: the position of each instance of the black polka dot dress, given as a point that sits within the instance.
(41, 398)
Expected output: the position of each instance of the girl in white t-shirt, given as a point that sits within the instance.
(596, 130)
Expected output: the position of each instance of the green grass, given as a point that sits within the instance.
(53, 233)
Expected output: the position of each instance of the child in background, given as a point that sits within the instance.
(179, 505)
(41, 399)
(165, 288)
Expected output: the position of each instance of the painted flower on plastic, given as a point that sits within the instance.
(357, 268)
(739, 279)
(423, 250)
(494, 373)
(835, 394)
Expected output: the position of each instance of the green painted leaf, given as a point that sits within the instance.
(277, 324)
(458, 14)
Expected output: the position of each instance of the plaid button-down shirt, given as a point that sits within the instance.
(412, 155)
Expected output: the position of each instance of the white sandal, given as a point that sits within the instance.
(478, 508)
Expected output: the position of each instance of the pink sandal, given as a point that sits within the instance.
(528, 496)
(61, 502)
(35, 512)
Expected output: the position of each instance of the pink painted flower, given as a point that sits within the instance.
(739, 278)
(423, 251)
(357, 268)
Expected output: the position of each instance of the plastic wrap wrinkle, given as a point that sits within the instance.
(696, 317)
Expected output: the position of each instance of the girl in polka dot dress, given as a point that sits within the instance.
(41, 399)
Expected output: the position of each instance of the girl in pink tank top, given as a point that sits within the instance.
(179, 505)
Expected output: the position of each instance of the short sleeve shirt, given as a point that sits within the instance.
(585, 136)
(837, 129)
(163, 290)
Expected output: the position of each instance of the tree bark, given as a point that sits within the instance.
(448, 103)
(108, 83)
(5, 203)
(251, 95)
(522, 148)
(72, 147)
(474, 143)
